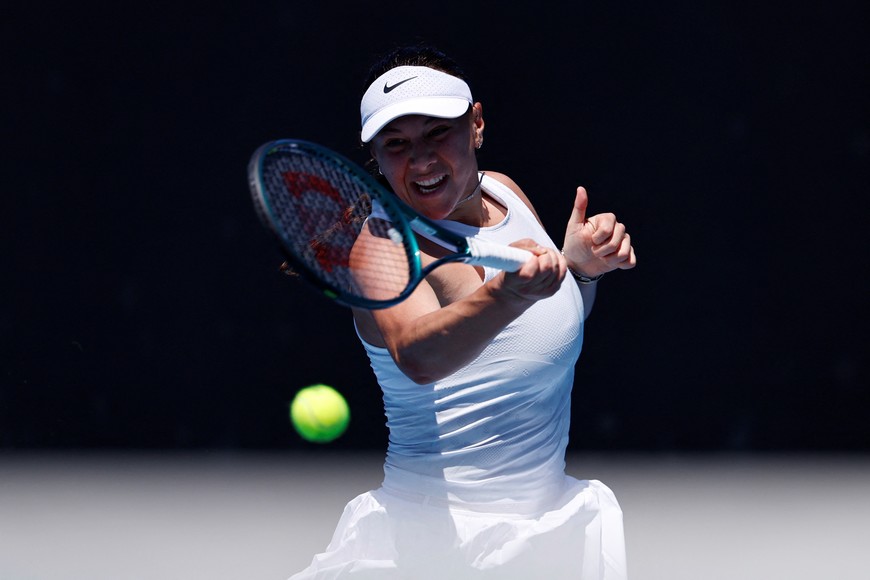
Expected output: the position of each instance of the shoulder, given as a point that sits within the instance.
(512, 185)
(505, 180)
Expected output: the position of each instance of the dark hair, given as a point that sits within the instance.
(416, 55)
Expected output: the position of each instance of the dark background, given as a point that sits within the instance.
(141, 302)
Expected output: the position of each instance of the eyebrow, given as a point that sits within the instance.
(389, 128)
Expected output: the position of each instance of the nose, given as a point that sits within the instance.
(422, 154)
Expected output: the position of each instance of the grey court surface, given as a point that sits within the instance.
(220, 516)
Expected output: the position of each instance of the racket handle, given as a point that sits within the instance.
(499, 256)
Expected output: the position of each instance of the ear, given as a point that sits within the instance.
(375, 158)
(477, 123)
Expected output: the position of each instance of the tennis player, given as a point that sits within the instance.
(477, 366)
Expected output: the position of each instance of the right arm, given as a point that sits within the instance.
(429, 341)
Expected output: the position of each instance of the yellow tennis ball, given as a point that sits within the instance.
(319, 413)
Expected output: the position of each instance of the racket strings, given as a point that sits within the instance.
(324, 217)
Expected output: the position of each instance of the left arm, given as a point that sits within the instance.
(595, 245)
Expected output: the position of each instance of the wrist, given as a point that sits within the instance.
(582, 278)
(506, 296)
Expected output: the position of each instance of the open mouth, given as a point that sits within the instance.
(431, 184)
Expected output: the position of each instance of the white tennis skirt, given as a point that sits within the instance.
(383, 536)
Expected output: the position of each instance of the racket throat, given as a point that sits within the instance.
(424, 229)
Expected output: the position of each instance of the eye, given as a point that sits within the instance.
(438, 131)
(394, 143)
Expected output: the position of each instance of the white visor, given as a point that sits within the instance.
(412, 90)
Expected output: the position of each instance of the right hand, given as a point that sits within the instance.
(540, 277)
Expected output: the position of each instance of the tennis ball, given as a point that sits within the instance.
(319, 413)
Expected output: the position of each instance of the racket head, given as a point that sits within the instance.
(335, 224)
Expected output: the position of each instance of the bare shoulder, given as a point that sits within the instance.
(505, 180)
(510, 183)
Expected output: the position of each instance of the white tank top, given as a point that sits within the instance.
(495, 432)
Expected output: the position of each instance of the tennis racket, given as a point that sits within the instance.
(345, 233)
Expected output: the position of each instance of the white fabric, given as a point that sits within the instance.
(411, 90)
(474, 481)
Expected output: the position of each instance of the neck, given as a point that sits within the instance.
(476, 214)
(473, 193)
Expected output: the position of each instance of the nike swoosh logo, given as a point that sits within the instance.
(388, 88)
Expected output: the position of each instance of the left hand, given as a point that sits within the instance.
(597, 244)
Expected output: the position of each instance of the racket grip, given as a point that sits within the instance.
(494, 255)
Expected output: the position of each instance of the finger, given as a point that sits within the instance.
(624, 252)
(558, 266)
(550, 278)
(547, 262)
(554, 256)
(581, 201)
(633, 259)
(621, 255)
(603, 225)
(551, 264)
(631, 262)
(541, 251)
(530, 245)
(535, 267)
(612, 244)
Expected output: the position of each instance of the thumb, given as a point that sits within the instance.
(578, 215)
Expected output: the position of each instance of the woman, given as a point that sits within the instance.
(477, 365)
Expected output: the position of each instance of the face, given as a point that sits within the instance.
(430, 162)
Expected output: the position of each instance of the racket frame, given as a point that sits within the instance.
(407, 221)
